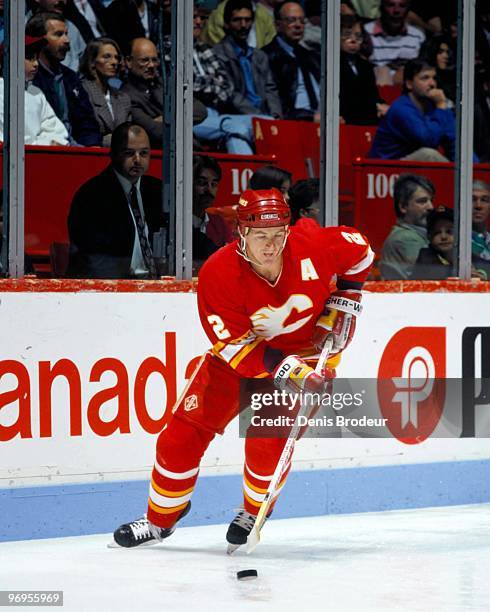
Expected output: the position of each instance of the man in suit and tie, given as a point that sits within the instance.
(114, 215)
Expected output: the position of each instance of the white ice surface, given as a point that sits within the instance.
(435, 559)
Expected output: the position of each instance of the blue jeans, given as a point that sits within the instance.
(235, 129)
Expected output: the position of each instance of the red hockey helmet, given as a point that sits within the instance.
(262, 208)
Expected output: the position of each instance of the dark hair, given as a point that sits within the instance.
(383, 2)
(268, 177)
(278, 8)
(439, 213)
(120, 136)
(430, 48)
(347, 22)
(90, 54)
(405, 187)
(412, 68)
(313, 8)
(236, 5)
(302, 196)
(203, 162)
(36, 26)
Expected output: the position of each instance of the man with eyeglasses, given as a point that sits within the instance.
(145, 88)
(295, 70)
(359, 99)
(254, 89)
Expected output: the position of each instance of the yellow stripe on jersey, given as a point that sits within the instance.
(248, 348)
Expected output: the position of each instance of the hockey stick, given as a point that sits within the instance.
(254, 536)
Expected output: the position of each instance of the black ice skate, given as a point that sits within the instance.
(143, 533)
(239, 529)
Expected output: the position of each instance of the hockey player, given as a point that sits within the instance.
(266, 303)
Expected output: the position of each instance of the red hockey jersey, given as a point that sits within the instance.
(242, 313)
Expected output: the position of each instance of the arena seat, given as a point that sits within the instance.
(53, 175)
(390, 93)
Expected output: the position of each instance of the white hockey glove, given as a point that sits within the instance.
(294, 375)
(339, 319)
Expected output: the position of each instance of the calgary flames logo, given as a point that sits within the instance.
(269, 321)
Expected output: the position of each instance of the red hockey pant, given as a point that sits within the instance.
(209, 402)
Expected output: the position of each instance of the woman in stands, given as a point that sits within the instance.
(101, 61)
(437, 52)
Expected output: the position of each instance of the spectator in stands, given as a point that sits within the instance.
(144, 87)
(412, 199)
(295, 70)
(114, 215)
(254, 88)
(366, 9)
(129, 19)
(261, 32)
(79, 33)
(268, 177)
(2, 22)
(480, 236)
(418, 122)
(60, 84)
(93, 13)
(214, 89)
(435, 261)
(359, 101)
(482, 116)
(304, 200)
(42, 126)
(436, 51)
(394, 41)
(209, 231)
(101, 62)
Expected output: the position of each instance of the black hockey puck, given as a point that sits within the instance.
(247, 574)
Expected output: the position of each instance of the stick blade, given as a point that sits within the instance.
(253, 539)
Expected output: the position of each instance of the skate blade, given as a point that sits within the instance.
(232, 548)
(114, 544)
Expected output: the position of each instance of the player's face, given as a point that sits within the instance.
(133, 161)
(264, 245)
(481, 206)
(58, 40)
(106, 64)
(442, 237)
(418, 207)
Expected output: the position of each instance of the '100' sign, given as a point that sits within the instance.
(380, 186)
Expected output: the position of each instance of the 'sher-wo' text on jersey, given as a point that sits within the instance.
(242, 313)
